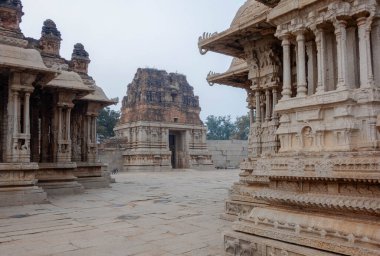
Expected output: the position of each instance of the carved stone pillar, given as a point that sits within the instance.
(251, 116)
(375, 34)
(321, 51)
(311, 67)
(64, 137)
(268, 106)
(251, 106)
(262, 108)
(366, 72)
(88, 119)
(258, 107)
(301, 64)
(341, 41)
(275, 100)
(91, 138)
(352, 59)
(60, 124)
(94, 128)
(18, 137)
(68, 124)
(15, 112)
(26, 113)
(287, 85)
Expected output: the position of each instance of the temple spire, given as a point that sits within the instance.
(80, 59)
(50, 41)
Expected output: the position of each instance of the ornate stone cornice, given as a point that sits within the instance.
(322, 201)
(339, 235)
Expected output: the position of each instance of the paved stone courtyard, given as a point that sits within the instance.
(170, 213)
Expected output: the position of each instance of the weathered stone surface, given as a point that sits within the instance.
(155, 95)
(160, 128)
(47, 126)
(228, 154)
(315, 147)
(143, 214)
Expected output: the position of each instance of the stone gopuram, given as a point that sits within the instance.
(160, 125)
(311, 70)
(48, 110)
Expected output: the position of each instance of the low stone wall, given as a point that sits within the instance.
(111, 157)
(228, 154)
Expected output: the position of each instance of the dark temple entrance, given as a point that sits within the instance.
(172, 147)
(177, 146)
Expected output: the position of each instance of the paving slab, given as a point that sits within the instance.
(151, 213)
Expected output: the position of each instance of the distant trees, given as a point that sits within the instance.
(242, 128)
(223, 128)
(107, 120)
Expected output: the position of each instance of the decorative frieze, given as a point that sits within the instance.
(327, 163)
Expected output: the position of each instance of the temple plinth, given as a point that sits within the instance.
(308, 184)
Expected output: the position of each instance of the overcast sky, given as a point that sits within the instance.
(123, 35)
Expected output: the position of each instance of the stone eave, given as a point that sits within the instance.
(235, 78)
(98, 95)
(17, 58)
(69, 80)
(228, 42)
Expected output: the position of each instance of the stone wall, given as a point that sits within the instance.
(227, 154)
(112, 157)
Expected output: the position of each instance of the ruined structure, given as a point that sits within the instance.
(48, 109)
(160, 124)
(311, 69)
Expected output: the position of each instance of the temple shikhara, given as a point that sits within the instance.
(311, 70)
(48, 110)
(160, 127)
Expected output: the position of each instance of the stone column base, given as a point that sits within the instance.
(90, 175)
(58, 178)
(15, 196)
(62, 188)
(18, 185)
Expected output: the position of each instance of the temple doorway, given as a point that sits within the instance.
(177, 148)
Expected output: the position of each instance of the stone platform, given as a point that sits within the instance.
(169, 213)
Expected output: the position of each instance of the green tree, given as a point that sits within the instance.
(219, 127)
(242, 124)
(106, 123)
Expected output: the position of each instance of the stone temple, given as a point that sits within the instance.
(48, 110)
(311, 70)
(160, 125)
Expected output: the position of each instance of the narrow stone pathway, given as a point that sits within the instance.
(170, 213)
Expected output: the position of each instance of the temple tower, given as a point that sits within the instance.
(160, 122)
